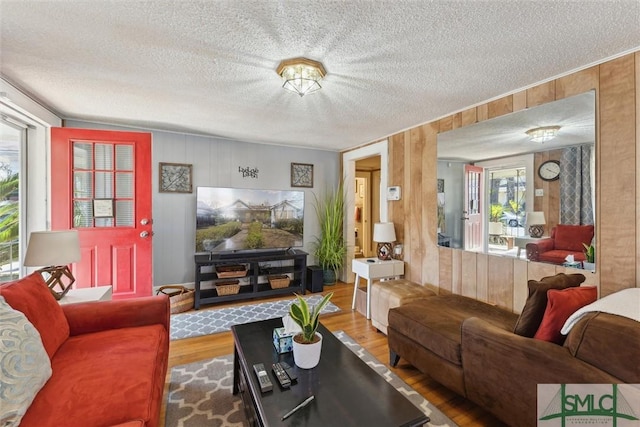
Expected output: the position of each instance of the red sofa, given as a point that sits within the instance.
(108, 359)
(564, 240)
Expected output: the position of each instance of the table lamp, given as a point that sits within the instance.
(535, 221)
(55, 250)
(385, 235)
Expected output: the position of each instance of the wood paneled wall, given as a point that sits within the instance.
(503, 280)
(550, 202)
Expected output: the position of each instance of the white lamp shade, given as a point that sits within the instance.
(52, 248)
(384, 232)
(535, 218)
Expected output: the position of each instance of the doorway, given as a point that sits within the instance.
(507, 192)
(349, 160)
(102, 182)
(367, 204)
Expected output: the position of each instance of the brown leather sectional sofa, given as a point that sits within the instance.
(470, 347)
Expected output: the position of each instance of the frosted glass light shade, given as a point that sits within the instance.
(543, 134)
(301, 75)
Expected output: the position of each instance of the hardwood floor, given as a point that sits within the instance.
(459, 409)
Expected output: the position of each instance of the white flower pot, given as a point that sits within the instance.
(307, 356)
(495, 228)
(589, 266)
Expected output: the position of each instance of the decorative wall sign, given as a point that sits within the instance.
(175, 178)
(248, 172)
(103, 208)
(301, 175)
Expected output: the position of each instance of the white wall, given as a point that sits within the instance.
(215, 163)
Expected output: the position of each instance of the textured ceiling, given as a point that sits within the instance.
(208, 67)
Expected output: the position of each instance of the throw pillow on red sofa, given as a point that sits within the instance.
(31, 296)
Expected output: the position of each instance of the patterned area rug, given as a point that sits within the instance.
(206, 322)
(200, 393)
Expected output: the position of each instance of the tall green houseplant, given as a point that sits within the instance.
(330, 248)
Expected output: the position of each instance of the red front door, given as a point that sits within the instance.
(101, 186)
(473, 213)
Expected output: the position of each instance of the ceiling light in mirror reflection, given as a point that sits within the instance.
(543, 134)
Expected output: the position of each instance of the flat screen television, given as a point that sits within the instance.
(237, 219)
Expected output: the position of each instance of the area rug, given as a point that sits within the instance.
(200, 393)
(205, 322)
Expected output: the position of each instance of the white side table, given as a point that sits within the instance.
(373, 268)
(522, 241)
(99, 293)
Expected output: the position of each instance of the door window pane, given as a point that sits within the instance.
(82, 185)
(104, 222)
(104, 157)
(82, 156)
(124, 185)
(104, 185)
(82, 213)
(124, 213)
(124, 157)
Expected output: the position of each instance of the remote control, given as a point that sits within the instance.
(263, 377)
(289, 370)
(281, 375)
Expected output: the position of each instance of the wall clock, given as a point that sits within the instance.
(301, 175)
(549, 170)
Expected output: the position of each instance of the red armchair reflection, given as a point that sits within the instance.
(564, 240)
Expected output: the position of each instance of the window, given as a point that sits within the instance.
(507, 203)
(103, 171)
(12, 141)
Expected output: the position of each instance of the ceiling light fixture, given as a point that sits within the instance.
(301, 75)
(543, 134)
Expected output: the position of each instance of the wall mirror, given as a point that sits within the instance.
(521, 178)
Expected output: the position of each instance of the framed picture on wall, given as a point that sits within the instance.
(103, 208)
(301, 175)
(175, 178)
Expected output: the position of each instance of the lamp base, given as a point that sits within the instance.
(384, 251)
(536, 231)
(56, 275)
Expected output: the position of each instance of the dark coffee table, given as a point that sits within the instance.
(347, 391)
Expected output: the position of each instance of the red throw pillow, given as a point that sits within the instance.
(562, 304)
(533, 310)
(31, 296)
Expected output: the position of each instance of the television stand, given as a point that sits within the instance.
(259, 267)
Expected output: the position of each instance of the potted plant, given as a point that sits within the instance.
(590, 255)
(495, 214)
(330, 248)
(307, 344)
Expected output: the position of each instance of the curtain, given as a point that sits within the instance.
(576, 187)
